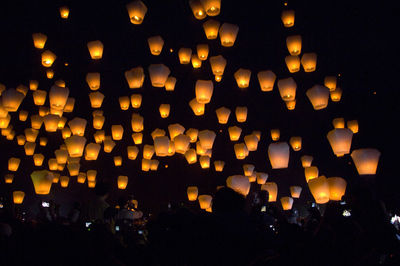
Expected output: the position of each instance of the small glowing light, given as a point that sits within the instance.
(339, 75)
(166, 166)
(212, 8)
(200, 13)
(285, 4)
(136, 18)
(171, 50)
(220, 131)
(374, 92)
(66, 64)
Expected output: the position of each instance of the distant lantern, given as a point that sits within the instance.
(135, 77)
(49, 73)
(330, 82)
(261, 178)
(207, 138)
(99, 136)
(51, 122)
(223, 114)
(64, 181)
(192, 193)
(336, 95)
(272, 189)
(137, 122)
(306, 160)
(58, 97)
(53, 165)
(185, 54)
(136, 100)
(340, 140)
(137, 138)
(11, 99)
(288, 18)
(117, 160)
(156, 44)
(309, 62)
(204, 161)
(96, 99)
(18, 197)
(318, 96)
(39, 40)
(164, 110)
(293, 44)
(43, 141)
(202, 51)
(251, 142)
(366, 160)
(92, 151)
(287, 89)
(75, 145)
(211, 28)
(69, 106)
(13, 164)
(170, 84)
(192, 133)
(191, 156)
(157, 133)
(212, 7)
(29, 148)
(23, 115)
(198, 10)
(109, 145)
(91, 175)
(182, 143)
(204, 90)
(93, 80)
(77, 126)
(31, 134)
(241, 114)
(8, 178)
(219, 166)
(275, 134)
(242, 77)
(205, 201)
(295, 191)
(21, 140)
(234, 133)
(98, 122)
(117, 132)
(199, 149)
(353, 126)
(148, 151)
(73, 169)
(319, 188)
(287, 203)
(338, 122)
(292, 63)
(91, 184)
(64, 12)
(81, 178)
(248, 169)
(136, 10)
(132, 152)
(61, 156)
(227, 34)
(218, 64)
(337, 188)
(196, 62)
(146, 163)
(33, 85)
(266, 79)
(124, 102)
(311, 172)
(36, 121)
(295, 142)
(241, 151)
(278, 154)
(42, 181)
(158, 75)
(5, 121)
(95, 49)
(48, 58)
(122, 181)
(161, 145)
(197, 108)
(239, 183)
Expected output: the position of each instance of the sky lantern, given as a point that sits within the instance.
(124, 102)
(278, 154)
(198, 11)
(13, 164)
(91, 175)
(69, 106)
(191, 156)
(204, 161)
(175, 130)
(109, 144)
(58, 97)
(158, 75)
(192, 133)
(148, 151)
(306, 160)
(311, 172)
(319, 188)
(12, 99)
(161, 145)
(287, 89)
(51, 122)
(340, 140)
(239, 183)
(204, 90)
(234, 133)
(330, 82)
(182, 143)
(98, 122)
(223, 114)
(337, 188)
(228, 33)
(241, 151)
(146, 163)
(207, 138)
(136, 10)
(64, 12)
(272, 189)
(185, 54)
(96, 99)
(93, 80)
(39, 40)
(21, 140)
(53, 165)
(196, 62)
(212, 7)
(291, 105)
(287, 203)
(205, 201)
(49, 73)
(288, 18)
(293, 43)
(318, 96)
(61, 156)
(5, 121)
(122, 181)
(202, 51)
(197, 108)
(192, 193)
(309, 62)
(60, 83)
(77, 126)
(248, 169)
(117, 160)
(295, 142)
(99, 136)
(73, 169)
(92, 184)
(33, 85)
(117, 132)
(132, 152)
(136, 100)
(81, 178)
(137, 138)
(275, 134)
(23, 115)
(366, 160)
(295, 191)
(92, 151)
(135, 77)
(261, 177)
(241, 114)
(199, 149)
(353, 126)
(219, 166)
(156, 44)
(218, 64)
(22, 89)
(64, 181)
(157, 133)
(95, 49)
(338, 122)
(48, 58)
(75, 145)
(18, 197)
(292, 63)
(42, 181)
(251, 142)
(336, 95)
(171, 148)
(61, 122)
(164, 110)
(242, 77)
(43, 110)
(170, 83)
(266, 79)
(211, 28)
(137, 122)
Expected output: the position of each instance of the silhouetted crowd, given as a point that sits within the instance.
(238, 231)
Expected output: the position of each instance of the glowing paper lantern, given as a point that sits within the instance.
(117, 132)
(242, 77)
(164, 110)
(227, 34)
(61, 156)
(73, 169)
(157, 133)
(174, 130)
(295, 142)
(353, 126)
(161, 145)
(295, 191)
(311, 172)
(207, 138)
(366, 160)
(122, 181)
(275, 134)
(185, 54)
(239, 183)
(11, 100)
(117, 160)
(146, 163)
(64, 181)
(49, 73)
(53, 165)
(204, 161)
(170, 84)
(137, 138)
(293, 44)
(204, 90)
(58, 97)
(13, 164)
(91, 175)
(136, 10)
(96, 99)
(158, 75)
(197, 108)
(292, 63)
(69, 106)
(42, 181)
(219, 166)
(330, 82)
(205, 201)
(272, 189)
(223, 114)
(51, 122)
(21, 140)
(287, 203)
(192, 193)
(18, 197)
(288, 18)
(306, 160)
(77, 126)
(318, 96)
(278, 154)
(192, 133)
(248, 169)
(266, 79)
(337, 188)
(198, 11)
(109, 145)
(202, 51)
(241, 151)
(39, 40)
(136, 100)
(319, 188)
(5, 121)
(135, 77)
(261, 178)
(182, 143)
(75, 145)
(33, 85)
(132, 152)
(95, 49)
(98, 121)
(340, 140)
(81, 178)
(309, 62)
(64, 12)
(8, 178)
(38, 159)
(99, 136)
(48, 58)
(93, 80)
(234, 133)
(336, 95)
(148, 151)
(211, 28)
(241, 114)
(124, 102)
(43, 141)
(218, 64)
(212, 7)
(156, 44)
(191, 156)
(31, 134)
(92, 151)
(287, 89)
(137, 123)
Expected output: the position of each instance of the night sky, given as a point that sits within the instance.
(352, 40)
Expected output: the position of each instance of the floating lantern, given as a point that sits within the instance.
(21, 140)
(241, 151)
(205, 201)
(136, 100)
(146, 163)
(95, 49)
(185, 54)
(51, 122)
(81, 178)
(99, 136)
(69, 106)
(98, 122)
(192, 193)
(5, 121)
(117, 160)
(158, 75)
(318, 96)
(36, 121)
(223, 114)
(219, 166)
(117, 132)
(122, 181)
(292, 63)
(136, 10)
(137, 138)
(8, 178)
(77, 126)
(23, 115)
(239, 183)
(218, 64)
(13, 164)
(241, 114)
(295, 191)
(33, 85)
(96, 99)
(311, 172)
(197, 108)
(49, 73)
(43, 111)
(211, 28)
(91, 184)
(42, 181)
(196, 62)
(207, 138)
(124, 102)
(148, 151)
(170, 84)
(137, 123)
(18, 197)
(275, 134)
(227, 34)
(174, 130)
(48, 58)
(293, 44)
(306, 160)
(157, 133)
(336, 95)
(75, 145)
(61, 156)
(340, 140)
(288, 18)
(202, 51)
(198, 12)
(309, 62)
(287, 89)
(93, 80)
(353, 126)
(199, 149)
(135, 77)
(234, 133)
(261, 178)
(366, 161)
(266, 79)
(248, 169)
(330, 82)
(338, 122)
(22, 89)
(39, 40)
(53, 165)
(295, 142)
(278, 154)
(204, 90)
(272, 189)
(132, 152)
(182, 143)
(191, 156)
(204, 161)
(12, 99)
(64, 181)
(242, 77)
(319, 188)
(156, 44)
(91, 175)
(109, 145)
(64, 12)
(337, 188)
(192, 133)
(251, 142)
(212, 7)
(161, 145)
(92, 151)
(58, 97)
(287, 203)
(73, 169)
(164, 110)
(29, 148)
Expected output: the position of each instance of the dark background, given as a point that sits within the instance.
(351, 38)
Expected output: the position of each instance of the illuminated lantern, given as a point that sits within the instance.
(135, 77)
(272, 189)
(191, 156)
(218, 64)
(136, 10)
(164, 110)
(287, 203)
(33, 85)
(353, 126)
(53, 165)
(8, 178)
(61, 122)
(137, 138)
(95, 49)
(212, 7)
(205, 201)
(137, 123)
(93, 80)
(23, 115)
(43, 141)
(156, 44)
(309, 62)
(288, 18)
(192, 193)
(39, 40)
(295, 191)
(171, 148)
(42, 181)
(56, 178)
(51, 122)
(75, 145)
(98, 122)
(311, 172)
(13, 164)
(234, 133)
(31, 134)
(109, 145)
(21, 140)
(248, 169)
(49, 73)
(58, 97)
(223, 114)
(330, 82)
(64, 181)
(227, 34)
(366, 161)
(204, 90)
(43, 111)
(11, 135)
(261, 178)
(18, 197)
(91, 175)
(275, 134)
(56, 112)
(207, 138)
(182, 143)
(6, 131)
(219, 166)
(124, 102)
(318, 96)
(12, 99)
(170, 84)
(77, 126)
(239, 183)
(96, 99)
(175, 130)
(266, 79)
(157, 133)
(198, 11)
(29, 148)
(338, 122)
(117, 132)
(148, 151)
(91, 184)
(336, 95)
(306, 160)
(340, 140)
(132, 152)
(278, 154)
(211, 28)
(60, 167)
(337, 188)
(241, 151)
(92, 151)
(122, 181)
(69, 106)
(161, 145)
(293, 44)
(319, 188)
(287, 89)
(292, 63)
(22, 89)
(242, 77)
(64, 12)
(99, 136)
(146, 163)
(48, 58)
(196, 62)
(295, 142)
(117, 160)
(185, 55)
(81, 178)
(202, 51)
(158, 75)
(241, 114)
(73, 168)
(5, 121)
(204, 161)
(192, 133)
(61, 156)
(60, 83)
(136, 100)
